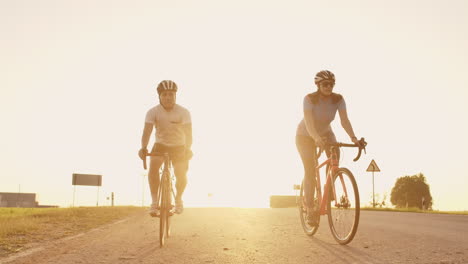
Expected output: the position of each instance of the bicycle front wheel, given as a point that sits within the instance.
(164, 215)
(343, 206)
(169, 206)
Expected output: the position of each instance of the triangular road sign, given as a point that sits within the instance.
(373, 166)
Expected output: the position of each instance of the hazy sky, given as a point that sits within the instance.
(77, 78)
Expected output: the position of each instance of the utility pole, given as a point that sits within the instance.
(97, 201)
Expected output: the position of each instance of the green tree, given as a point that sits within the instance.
(411, 191)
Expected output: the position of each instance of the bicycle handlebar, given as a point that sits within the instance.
(362, 146)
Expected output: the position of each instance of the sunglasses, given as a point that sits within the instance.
(327, 84)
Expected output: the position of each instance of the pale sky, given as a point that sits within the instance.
(77, 78)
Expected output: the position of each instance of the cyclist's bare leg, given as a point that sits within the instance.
(306, 149)
(180, 171)
(310, 181)
(153, 176)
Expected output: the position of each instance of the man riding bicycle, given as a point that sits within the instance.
(314, 131)
(173, 126)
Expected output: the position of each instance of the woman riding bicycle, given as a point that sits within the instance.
(314, 131)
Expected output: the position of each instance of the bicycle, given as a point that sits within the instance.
(340, 200)
(165, 197)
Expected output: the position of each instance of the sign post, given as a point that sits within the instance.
(373, 167)
(88, 180)
(143, 190)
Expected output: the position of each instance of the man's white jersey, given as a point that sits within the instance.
(169, 124)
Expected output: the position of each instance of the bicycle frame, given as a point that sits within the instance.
(333, 163)
(165, 170)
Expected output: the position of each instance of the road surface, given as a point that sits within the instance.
(235, 235)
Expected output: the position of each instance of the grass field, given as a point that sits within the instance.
(22, 226)
(414, 210)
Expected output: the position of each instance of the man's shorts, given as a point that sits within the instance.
(176, 153)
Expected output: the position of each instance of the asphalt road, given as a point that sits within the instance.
(234, 235)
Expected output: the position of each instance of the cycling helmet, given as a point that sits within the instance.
(324, 75)
(167, 85)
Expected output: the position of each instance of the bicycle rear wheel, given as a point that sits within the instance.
(169, 205)
(310, 230)
(343, 213)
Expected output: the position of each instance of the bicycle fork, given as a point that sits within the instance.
(330, 183)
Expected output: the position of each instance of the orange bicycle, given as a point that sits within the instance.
(340, 200)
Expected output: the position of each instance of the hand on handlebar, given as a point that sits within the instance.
(362, 146)
(321, 143)
(142, 153)
(356, 141)
(360, 143)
